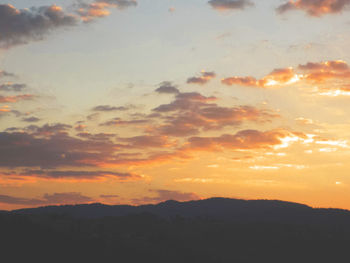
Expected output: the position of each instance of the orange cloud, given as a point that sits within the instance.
(315, 8)
(100, 8)
(277, 77)
(242, 140)
(5, 109)
(280, 77)
(323, 71)
(332, 77)
(241, 81)
(94, 10)
(153, 158)
(12, 99)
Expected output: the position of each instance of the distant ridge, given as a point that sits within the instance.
(213, 208)
(216, 230)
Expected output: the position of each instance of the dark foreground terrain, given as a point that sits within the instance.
(213, 230)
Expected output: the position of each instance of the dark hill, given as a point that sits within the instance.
(215, 230)
(213, 208)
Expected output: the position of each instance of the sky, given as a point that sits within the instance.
(141, 101)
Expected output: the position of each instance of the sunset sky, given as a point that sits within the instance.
(141, 101)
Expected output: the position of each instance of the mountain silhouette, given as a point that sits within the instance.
(211, 230)
(213, 208)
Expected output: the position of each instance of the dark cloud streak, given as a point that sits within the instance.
(12, 87)
(230, 4)
(47, 199)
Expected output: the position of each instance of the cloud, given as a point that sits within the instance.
(96, 137)
(150, 158)
(48, 129)
(31, 119)
(165, 195)
(203, 79)
(100, 8)
(107, 108)
(12, 87)
(21, 26)
(6, 199)
(4, 73)
(67, 198)
(6, 110)
(71, 174)
(148, 141)
(47, 199)
(222, 5)
(13, 99)
(191, 113)
(241, 81)
(304, 121)
(185, 101)
(323, 71)
(278, 77)
(47, 147)
(332, 78)
(80, 127)
(243, 140)
(93, 116)
(89, 12)
(315, 8)
(53, 150)
(109, 196)
(166, 87)
(212, 118)
(63, 151)
(120, 122)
